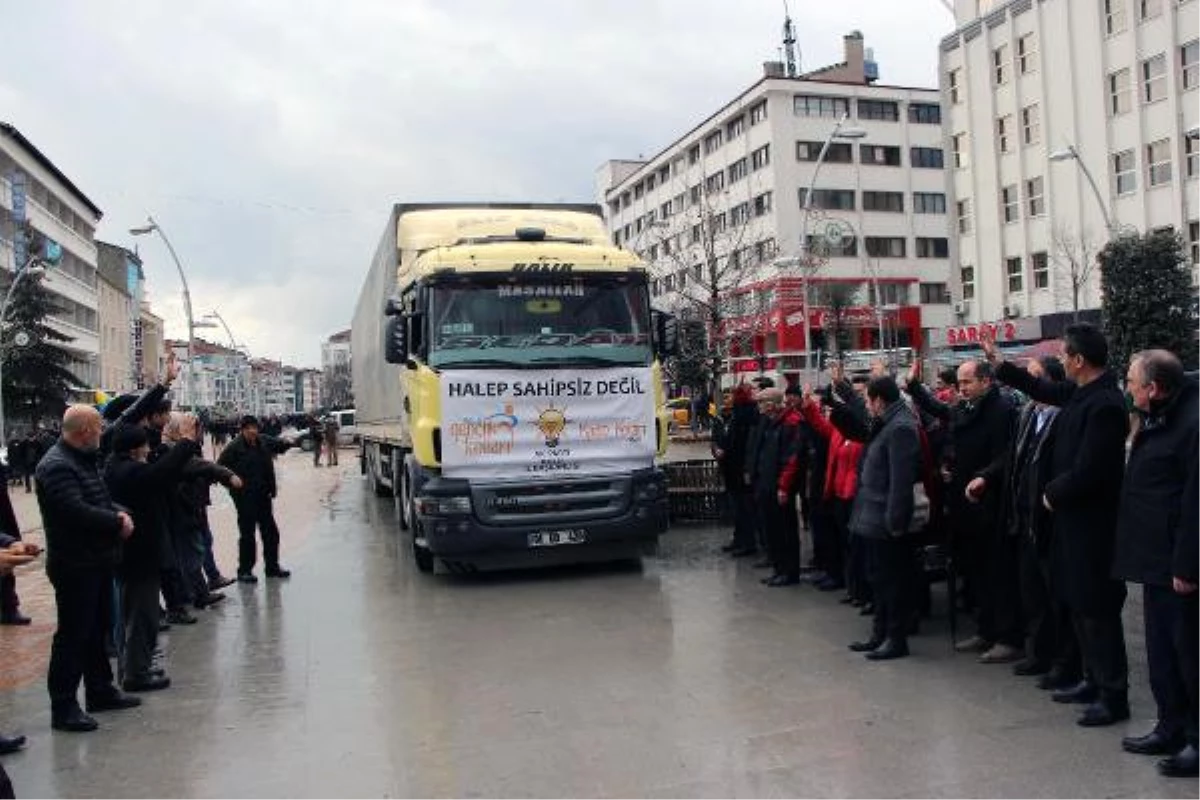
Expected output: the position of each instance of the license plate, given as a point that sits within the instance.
(555, 538)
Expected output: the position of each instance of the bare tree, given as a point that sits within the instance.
(1075, 257)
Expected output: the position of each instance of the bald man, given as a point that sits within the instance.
(83, 535)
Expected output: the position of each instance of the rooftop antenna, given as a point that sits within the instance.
(789, 42)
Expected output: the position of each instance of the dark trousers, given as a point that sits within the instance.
(745, 535)
(892, 567)
(139, 600)
(783, 533)
(992, 564)
(84, 598)
(210, 562)
(9, 602)
(1102, 644)
(331, 453)
(257, 512)
(1171, 645)
(858, 583)
(1049, 631)
(317, 452)
(827, 541)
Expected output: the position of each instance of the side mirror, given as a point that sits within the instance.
(392, 307)
(666, 334)
(395, 340)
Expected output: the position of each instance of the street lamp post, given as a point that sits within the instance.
(153, 227)
(1071, 154)
(806, 258)
(33, 269)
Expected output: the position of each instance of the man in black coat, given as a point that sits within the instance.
(141, 487)
(775, 467)
(1083, 494)
(252, 458)
(1156, 547)
(84, 530)
(980, 430)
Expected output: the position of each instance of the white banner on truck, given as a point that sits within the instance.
(540, 424)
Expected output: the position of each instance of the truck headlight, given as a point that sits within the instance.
(433, 506)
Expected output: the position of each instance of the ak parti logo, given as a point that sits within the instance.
(551, 422)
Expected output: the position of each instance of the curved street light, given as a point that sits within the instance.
(153, 227)
(1071, 154)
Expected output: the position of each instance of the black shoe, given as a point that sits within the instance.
(1082, 692)
(1181, 765)
(729, 547)
(11, 744)
(14, 618)
(783, 580)
(1154, 743)
(210, 599)
(744, 552)
(74, 721)
(831, 584)
(866, 645)
(220, 582)
(764, 564)
(247, 577)
(180, 616)
(891, 648)
(846, 601)
(866, 610)
(1030, 666)
(1105, 711)
(279, 572)
(1054, 681)
(113, 702)
(154, 682)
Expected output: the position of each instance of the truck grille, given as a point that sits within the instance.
(563, 501)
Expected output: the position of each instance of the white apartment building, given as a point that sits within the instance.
(221, 381)
(747, 168)
(121, 290)
(33, 189)
(335, 363)
(1113, 80)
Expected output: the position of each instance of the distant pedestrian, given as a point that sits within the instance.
(251, 456)
(316, 434)
(332, 429)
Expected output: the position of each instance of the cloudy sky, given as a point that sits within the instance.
(269, 137)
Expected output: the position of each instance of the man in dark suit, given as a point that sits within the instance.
(1156, 547)
(1083, 494)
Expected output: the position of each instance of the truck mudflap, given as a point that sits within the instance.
(509, 524)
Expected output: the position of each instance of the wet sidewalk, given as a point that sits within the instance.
(361, 677)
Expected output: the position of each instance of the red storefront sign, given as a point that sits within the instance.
(1013, 330)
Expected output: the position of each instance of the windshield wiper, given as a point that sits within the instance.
(588, 361)
(480, 363)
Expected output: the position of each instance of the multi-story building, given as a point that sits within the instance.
(1037, 97)
(35, 191)
(310, 385)
(220, 381)
(121, 282)
(150, 347)
(723, 207)
(335, 363)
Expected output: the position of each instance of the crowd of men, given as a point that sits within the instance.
(1050, 487)
(124, 495)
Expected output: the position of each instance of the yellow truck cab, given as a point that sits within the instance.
(507, 382)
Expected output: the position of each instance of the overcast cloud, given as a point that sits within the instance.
(269, 137)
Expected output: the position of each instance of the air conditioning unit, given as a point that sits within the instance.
(962, 308)
(1012, 311)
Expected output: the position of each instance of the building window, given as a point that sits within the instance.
(1000, 65)
(1189, 64)
(883, 201)
(695, 193)
(1010, 203)
(963, 209)
(1191, 157)
(832, 199)
(715, 182)
(1154, 78)
(664, 174)
(1194, 241)
(738, 170)
(638, 190)
(697, 234)
(933, 247)
(1118, 92)
(967, 279)
(934, 294)
(1149, 9)
(693, 154)
(1114, 16)
(1016, 274)
(762, 204)
(735, 129)
(1031, 124)
(1027, 59)
(819, 105)
(959, 148)
(926, 157)
(885, 246)
(929, 203)
(758, 112)
(1035, 196)
(954, 81)
(882, 110)
(760, 157)
(1158, 162)
(880, 155)
(847, 248)
(651, 182)
(665, 210)
(838, 152)
(1041, 270)
(1004, 130)
(891, 293)
(740, 214)
(712, 142)
(925, 113)
(1124, 166)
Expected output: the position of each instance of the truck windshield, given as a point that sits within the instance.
(536, 322)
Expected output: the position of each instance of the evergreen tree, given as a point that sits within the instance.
(1147, 296)
(36, 382)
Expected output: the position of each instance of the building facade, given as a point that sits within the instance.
(221, 377)
(121, 290)
(35, 191)
(1037, 95)
(335, 364)
(150, 347)
(724, 207)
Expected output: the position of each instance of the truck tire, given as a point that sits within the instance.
(378, 487)
(400, 491)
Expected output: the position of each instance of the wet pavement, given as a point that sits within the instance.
(361, 677)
